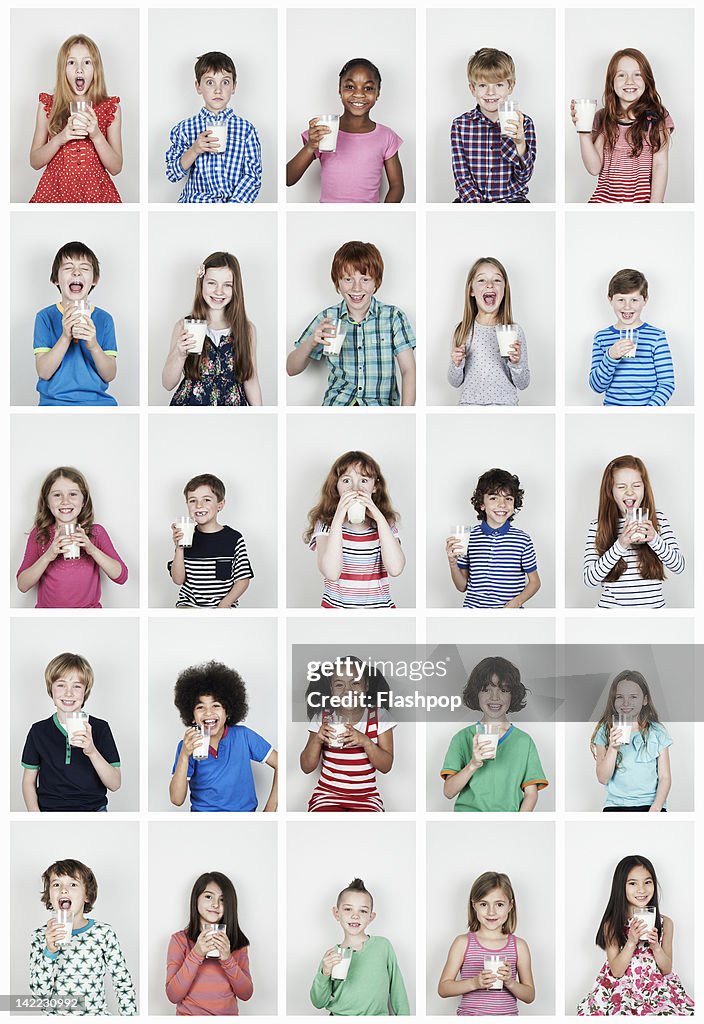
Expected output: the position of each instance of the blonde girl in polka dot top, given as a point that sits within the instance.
(80, 152)
(476, 364)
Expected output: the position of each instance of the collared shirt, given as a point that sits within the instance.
(486, 164)
(497, 562)
(224, 780)
(234, 176)
(364, 372)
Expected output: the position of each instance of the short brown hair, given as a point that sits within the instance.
(491, 65)
(74, 869)
(482, 887)
(361, 256)
(216, 63)
(74, 251)
(206, 480)
(64, 663)
(624, 282)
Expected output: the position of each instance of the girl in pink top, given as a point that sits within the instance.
(66, 550)
(628, 146)
(489, 988)
(351, 172)
(207, 969)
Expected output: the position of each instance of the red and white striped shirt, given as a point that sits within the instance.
(624, 178)
(363, 582)
(347, 777)
(487, 1002)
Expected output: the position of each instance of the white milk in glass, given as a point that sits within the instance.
(508, 111)
(328, 143)
(215, 928)
(198, 329)
(220, 133)
(202, 747)
(333, 342)
(506, 336)
(339, 971)
(75, 722)
(489, 736)
(492, 963)
(648, 915)
(584, 111)
(187, 527)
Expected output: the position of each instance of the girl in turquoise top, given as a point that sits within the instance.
(632, 761)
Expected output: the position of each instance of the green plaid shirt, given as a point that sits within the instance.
(364, 372)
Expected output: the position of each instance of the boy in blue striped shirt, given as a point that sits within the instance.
(499, 568)
(216, 151)
(631, 361)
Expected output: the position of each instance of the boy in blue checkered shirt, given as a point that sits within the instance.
(216, 151)
(361, 337)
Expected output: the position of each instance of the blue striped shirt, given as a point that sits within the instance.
(498, 561)
(648, 378)
(234, 176)
(364, 372)
(630, 590)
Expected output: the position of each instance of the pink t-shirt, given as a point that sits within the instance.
(352, 174)
(70, 583)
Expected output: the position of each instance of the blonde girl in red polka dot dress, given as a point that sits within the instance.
(80, 152)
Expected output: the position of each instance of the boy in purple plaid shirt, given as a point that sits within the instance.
(491, 164)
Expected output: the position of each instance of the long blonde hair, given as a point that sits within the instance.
(465, 328)
(97, 91)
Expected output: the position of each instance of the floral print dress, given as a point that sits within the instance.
(217, 384)
(642, 991)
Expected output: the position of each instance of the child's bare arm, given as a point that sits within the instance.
(109, 149)
(661, 163)
(532, 587)
(43, 148)
(394, 176)
(273, 799)
(310, 755)
(407, 368)
(235, 594)
(459, 576)
(299, 164)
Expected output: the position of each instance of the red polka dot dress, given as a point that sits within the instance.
(75, 174)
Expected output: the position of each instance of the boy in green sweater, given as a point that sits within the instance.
(360, 977)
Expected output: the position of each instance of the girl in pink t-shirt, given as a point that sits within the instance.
(351, 161)
(65, 549)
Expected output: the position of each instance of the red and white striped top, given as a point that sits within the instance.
(347, 778)
(363, 582)
(624, 178)
(487, 1002)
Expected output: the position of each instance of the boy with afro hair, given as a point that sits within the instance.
(214, 757)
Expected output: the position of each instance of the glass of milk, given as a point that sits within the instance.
(638, 515)
(328, 143)
(338, 726)
(202, 747)
(492, 963)
(332, 341)
(508, 111)
(489, 736)
(356, 513)
(339, 971)
(80, 107)
(64, 918)
(629, 334)
(71, 551)
(648, 915)
(585, 111)
(83, 308)
(197, 328)
(461, 534)
(506, 335)
(75, 722)
(187, 527)
(214, 928)
(220, 133)
(624, 725)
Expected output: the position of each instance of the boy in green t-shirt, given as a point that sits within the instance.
(360, 977)
(498, 770)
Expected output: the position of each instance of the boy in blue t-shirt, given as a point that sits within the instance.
(75, 351)
(214, 757)
(69, 767)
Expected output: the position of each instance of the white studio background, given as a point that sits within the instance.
(309, 287)
(34, 242)
(628, 629)
(592, 441)
(457, 630)
(177, 247)
(592, 851)
(249, 647)
(245, 851)
(437, 742)
(112, 648)
(631, 244)
(453, 36)
(104, 447)
(526, 451)
(243, 456)
(320, 863)
(312, 450)
(37, 37)
(666, 37)
(501, 234)
(110, 850)
(455, 859)
(313, 85)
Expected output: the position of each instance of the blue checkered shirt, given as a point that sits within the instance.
(234, 176)
(364, 372)
(486, 164)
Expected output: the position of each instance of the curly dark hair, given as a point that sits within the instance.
(494, 481)
(482, 675)
(74, 869)
(212, 679)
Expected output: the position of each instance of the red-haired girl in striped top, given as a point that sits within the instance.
(352, 735)
(492, 963)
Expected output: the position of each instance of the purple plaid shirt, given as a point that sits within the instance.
(485, 163)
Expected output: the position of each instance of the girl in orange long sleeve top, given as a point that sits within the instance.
(207, 970)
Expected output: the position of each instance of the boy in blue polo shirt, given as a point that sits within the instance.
(69, 771)
(75, 352)
(498, 568)
(212, 698)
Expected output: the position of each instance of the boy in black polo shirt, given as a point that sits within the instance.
(62, 773)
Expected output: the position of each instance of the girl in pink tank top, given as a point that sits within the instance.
(489, 967)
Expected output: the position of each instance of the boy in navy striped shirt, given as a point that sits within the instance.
(499, 568)
(631, 361)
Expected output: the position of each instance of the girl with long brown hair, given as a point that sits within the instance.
(222, 368)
